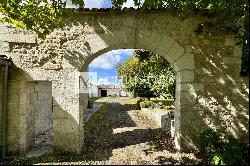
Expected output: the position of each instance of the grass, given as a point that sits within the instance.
(95, 98)
(97, 117)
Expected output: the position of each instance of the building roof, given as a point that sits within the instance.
(103, 86)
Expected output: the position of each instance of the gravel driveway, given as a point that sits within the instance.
(120, 134)
(126, 136)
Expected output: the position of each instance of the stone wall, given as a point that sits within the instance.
(43, 110)
(38, 111)
(159, 117)
(210, 92)
(1, 92)
(93, 91)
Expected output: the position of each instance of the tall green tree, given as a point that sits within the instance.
(148, 75)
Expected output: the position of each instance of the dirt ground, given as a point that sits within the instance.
(120, 134)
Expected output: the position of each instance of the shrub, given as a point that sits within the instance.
(138, 102)
(171, 114)
(233, 152)
(229, 151)
(147, 104)
(209, 138)
(160, 105)
(166, 102)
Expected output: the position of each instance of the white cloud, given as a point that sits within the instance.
(109, 80)
(128, 4)
(108, 60)
(104, 81)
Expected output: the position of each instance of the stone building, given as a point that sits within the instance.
(93, 90)
(107, 90)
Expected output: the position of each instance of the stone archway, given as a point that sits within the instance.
(209, 87)
(184, 74)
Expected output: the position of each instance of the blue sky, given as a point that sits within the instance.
(100, 3)
(105, 66)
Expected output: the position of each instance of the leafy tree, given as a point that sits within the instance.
(147, 75)
(41, 16)
(233, 17)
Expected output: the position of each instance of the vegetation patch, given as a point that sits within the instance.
(97, 117)
(160, 105)
(223, 150)
(166, 102)
(171, 114)
(147, 104)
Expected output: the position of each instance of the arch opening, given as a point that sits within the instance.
(160, 101)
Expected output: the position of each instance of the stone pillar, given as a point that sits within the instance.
(1, 92)
(67, 116)
(188, 122)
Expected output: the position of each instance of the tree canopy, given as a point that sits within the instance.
(233, 17)
(43, 16)
(148, 75)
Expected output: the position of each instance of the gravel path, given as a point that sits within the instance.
(127, 136)
(119, 134)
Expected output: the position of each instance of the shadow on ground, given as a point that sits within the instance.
(101, 139)
(111, 128)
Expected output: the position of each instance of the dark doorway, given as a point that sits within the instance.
(103, 93)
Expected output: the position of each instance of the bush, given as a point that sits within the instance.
(138, 102)
(160, 105)
(166, 102)
(171, 114)
(229, 151)
(147, 104)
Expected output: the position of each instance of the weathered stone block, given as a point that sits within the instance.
(185, 62)
(59, 113)
(3, 30)
(185, 76)
(237, 51)
(4, 47)
(229, 41)
(68, 125)
(18, 38)
(14, 97)
(175, 52)
(231, 60)
(206, 41)
(190, 87)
